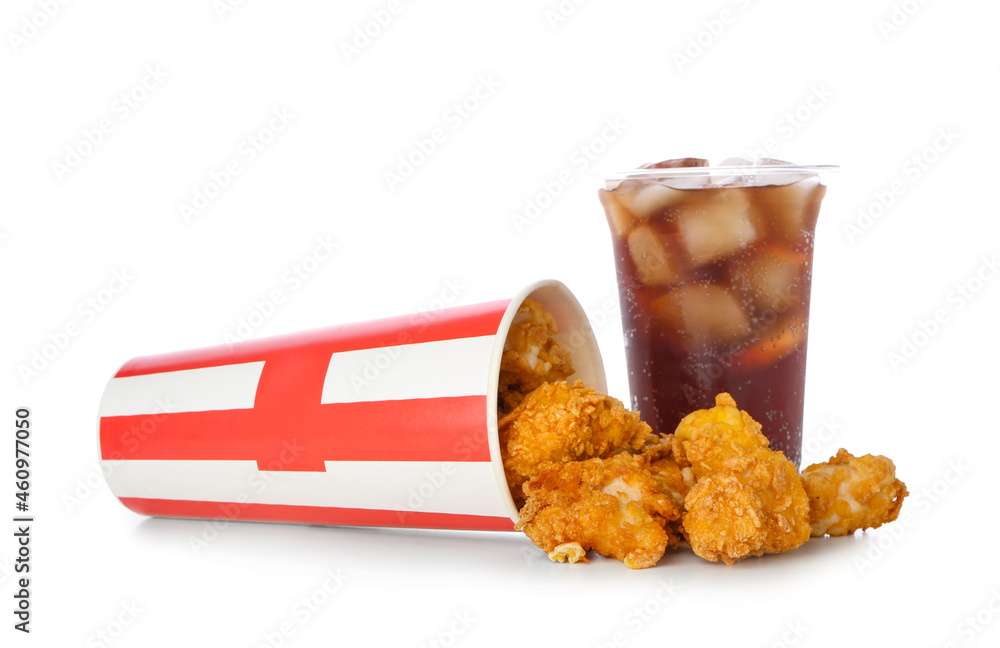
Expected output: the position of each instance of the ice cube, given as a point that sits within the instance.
(705, 315)
(653, 199)
(676, 163)
(653, 262)
(619, 217)
(775, 343)
(718, 226)
(789, 211)
(780, 176)
(727, 178)
(771, 277)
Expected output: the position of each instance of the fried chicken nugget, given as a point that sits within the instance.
(669, 466)
(531, 356)
(848, 493)
(747, 500)
(612, 506)
(561, 422)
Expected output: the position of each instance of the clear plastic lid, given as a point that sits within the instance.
(743, 174)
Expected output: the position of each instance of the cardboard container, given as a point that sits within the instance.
(385, 423)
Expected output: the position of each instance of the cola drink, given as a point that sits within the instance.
(714, 272)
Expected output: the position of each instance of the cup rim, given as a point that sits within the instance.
(587, 361)
(745, 170)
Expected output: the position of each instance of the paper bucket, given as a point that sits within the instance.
(383, 423)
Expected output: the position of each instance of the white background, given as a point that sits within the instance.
(868, 98)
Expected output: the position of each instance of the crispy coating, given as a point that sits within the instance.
(561, 422)
(702, 431)
(724, 519)
(848, 493)
(531, 356)
(669, 466)
(612, 506)
(748, 500)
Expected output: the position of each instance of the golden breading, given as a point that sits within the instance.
(725, 424)
(531, 356)
(724, 519)
(612, 506)
(848, 493)
(669, 466)
(560, 422)
(753, 502)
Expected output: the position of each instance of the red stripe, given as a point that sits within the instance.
(445, 324)
(315, 515)
(432, 429)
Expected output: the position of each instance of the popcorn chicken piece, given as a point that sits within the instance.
(559, 422)
(612, 506)
(531, 356)
(848, 493)
(570, 552)
(752, 501)
(724, 520)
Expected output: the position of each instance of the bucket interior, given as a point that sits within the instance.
(574, 333)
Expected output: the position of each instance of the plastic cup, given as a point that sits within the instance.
(714, 272)
(385, 423)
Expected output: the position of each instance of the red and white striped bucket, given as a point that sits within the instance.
(384, 423)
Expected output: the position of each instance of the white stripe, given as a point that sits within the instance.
(458, 367)
(426, 486)
(187, 390)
